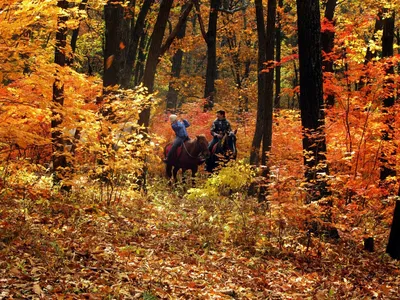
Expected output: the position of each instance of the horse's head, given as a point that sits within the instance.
(202, 145)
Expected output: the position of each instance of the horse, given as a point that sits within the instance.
(187, 157)
(223, 151)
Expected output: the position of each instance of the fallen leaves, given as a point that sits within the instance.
(153, 251)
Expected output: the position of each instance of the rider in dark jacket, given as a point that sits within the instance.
(219, 128)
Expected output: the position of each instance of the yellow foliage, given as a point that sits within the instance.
(235, 177)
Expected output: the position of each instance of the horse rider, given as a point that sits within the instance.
(219, 128)
(181, 135)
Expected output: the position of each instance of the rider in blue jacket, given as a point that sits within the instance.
(179, 128)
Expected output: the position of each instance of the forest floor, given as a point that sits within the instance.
(158, 248)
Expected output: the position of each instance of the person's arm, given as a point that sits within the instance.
(213, 133)
(228, 127)
(186, 123)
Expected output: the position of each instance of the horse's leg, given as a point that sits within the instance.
(169, 173)
(194, 171)
(183, 176)
(175, 172)
(211, 163)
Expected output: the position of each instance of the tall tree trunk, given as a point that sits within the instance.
(141, 59)
(261, 80)
(244, 99)
(269, 84)
(58, 157)
(135, 35)
(393, 246)
(370, 54)
(157, 49)
(189, 60)
(116, 39)
(327, 40)
(378, 26)
(154, 55)
(277, 102)
(172, 95)
(75, 32)
(211, 40)
(69, 61)
(295, 81)
(311, 97)
(388, 168)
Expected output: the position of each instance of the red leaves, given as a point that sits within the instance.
(327, 25)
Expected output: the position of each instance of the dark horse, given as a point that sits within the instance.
(187, 156)
(223, 151)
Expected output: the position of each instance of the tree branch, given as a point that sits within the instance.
(236, 9)
(181, 21)
(202, 29)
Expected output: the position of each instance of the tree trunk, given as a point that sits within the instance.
(141, 59)
(116, 39)
(277, 103)
(387, 167)
(261, 80)
(136, 32)
(153, 55)
(172, 95)
(393, 246)
(327, 40)
(75, 32)
(311, 97)
(211, 40)
(58, 157)
(296, 95)
(378, 26)
(269, 87)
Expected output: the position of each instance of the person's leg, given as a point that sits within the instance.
(177, 142)
(212, 143)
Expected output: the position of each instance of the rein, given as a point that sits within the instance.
(184, 146)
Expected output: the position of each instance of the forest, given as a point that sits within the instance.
(299, 199)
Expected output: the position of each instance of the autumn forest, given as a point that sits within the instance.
(299, 198)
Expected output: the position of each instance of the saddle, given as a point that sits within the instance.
(178, 150)
(214, 149)
(218, 145)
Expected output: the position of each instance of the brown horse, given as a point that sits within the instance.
(187, 156)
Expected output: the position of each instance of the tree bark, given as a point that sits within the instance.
(141, 58)
(387, 167)
(311, 97)
(393, 246)
(261, 80)
(116, 40)
(135, 34)
(75, 32)
(327, 40)
(58, 156)
(378, 26)
(277, 102)
(172, 95)
(154, 54)
(269, 83)
(211, 40)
